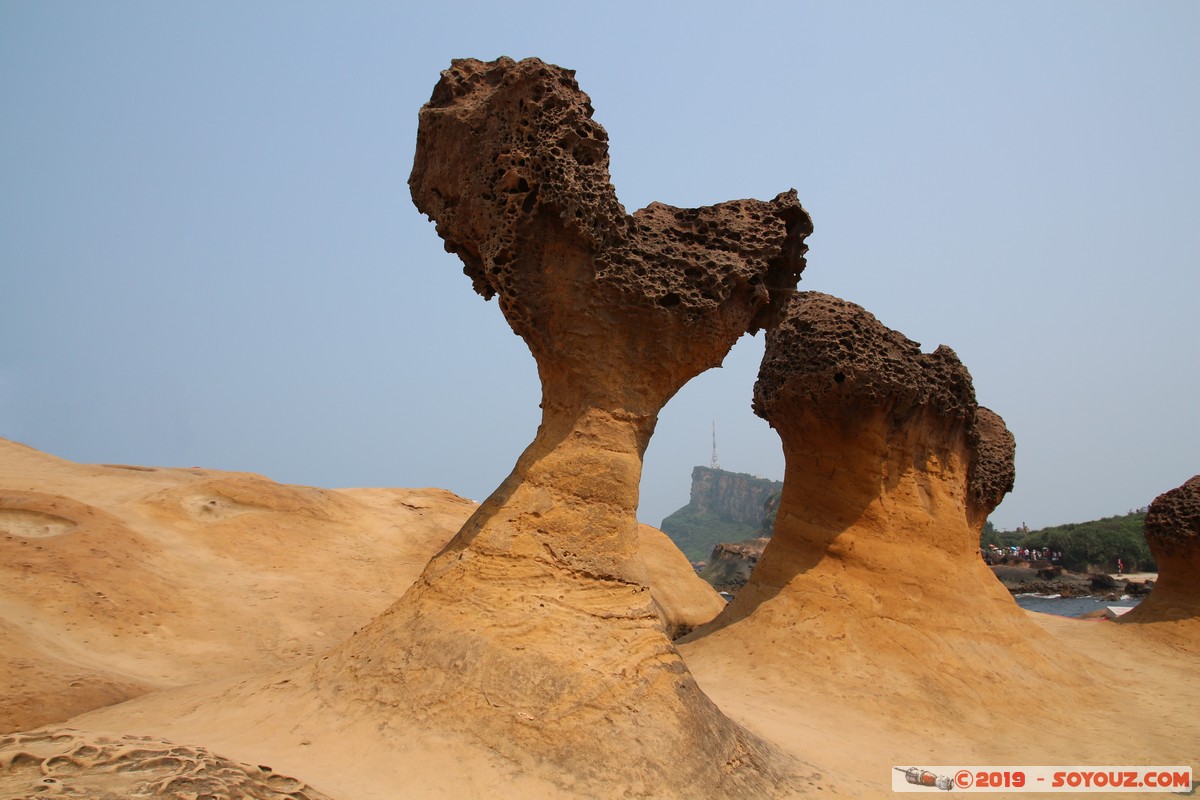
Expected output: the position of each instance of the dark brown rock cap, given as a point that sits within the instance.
(514, 170)
(1173, 521)
(832, 355)
(498, 140)
(993, 468)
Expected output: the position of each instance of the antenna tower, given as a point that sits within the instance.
(715, 463)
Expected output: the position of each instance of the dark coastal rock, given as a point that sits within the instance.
(730, 565)
(1025, 579)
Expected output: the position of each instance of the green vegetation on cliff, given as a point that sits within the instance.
(697, 532)
(1087, 546)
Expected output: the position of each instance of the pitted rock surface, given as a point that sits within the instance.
(1173, 534)
(1173, 521)
(834, 359)
(829, 353)
(993, 469)
(514, 170)
(696, 258)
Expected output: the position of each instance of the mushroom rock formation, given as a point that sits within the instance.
(872, 585)
(534, 629)
(1173, 534)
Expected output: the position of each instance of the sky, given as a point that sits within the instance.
(209, 256)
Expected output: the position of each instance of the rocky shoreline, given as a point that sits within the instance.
(1042, 577)
(730, 565)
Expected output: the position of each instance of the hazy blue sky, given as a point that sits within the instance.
(209, 255)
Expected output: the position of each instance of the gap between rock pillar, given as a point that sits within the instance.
(534, 630)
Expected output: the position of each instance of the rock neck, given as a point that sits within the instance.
(866, 492)
(570, 502)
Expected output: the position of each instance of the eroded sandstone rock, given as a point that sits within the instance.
(1173, 534)
(534, 630)
(514, 171)
(873, 576)
(683, 600)
(873, 429)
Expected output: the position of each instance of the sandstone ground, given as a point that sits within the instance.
(205, 598)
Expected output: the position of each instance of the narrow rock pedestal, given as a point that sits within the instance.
(534, 630)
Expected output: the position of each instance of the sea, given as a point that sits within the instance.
(1070, 606)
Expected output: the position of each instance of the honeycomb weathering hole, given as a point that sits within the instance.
(33, 524)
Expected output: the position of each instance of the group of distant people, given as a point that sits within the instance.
(1046, 554)
(992, 553)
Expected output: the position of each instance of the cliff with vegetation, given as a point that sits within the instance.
(724, 507)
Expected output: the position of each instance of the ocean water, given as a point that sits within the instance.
(1070, 606)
